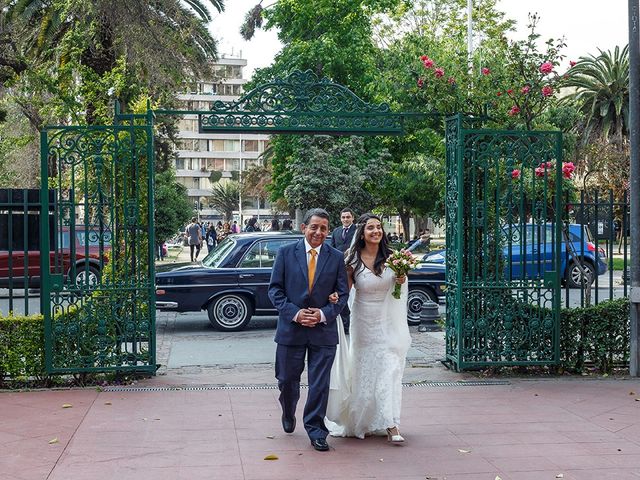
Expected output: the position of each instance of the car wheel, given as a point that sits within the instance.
(89, 276)
(230, 313)
(418, 296)
(574, 275)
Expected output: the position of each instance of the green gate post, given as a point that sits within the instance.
(503, 211)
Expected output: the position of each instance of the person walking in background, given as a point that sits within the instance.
(194, 235)
(211, 238)
(275, 225)
(235, 228)
(305, 274)
(341, 240)
(252, 225)
(287, 224)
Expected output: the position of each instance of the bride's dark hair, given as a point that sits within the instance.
(353, 254)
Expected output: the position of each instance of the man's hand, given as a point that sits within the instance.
(309, 317)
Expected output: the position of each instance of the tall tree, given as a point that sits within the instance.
(602, 94)
(225, 197)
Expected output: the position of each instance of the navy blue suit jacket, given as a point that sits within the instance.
(289, 292)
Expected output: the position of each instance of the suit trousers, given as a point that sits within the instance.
(289, 368)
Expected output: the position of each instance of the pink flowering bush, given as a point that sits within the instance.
(517, 83)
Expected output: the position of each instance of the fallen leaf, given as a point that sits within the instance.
(53, 440)
(66, 405)
(382, 459)
(632, 393)
(464, 451)
(107, 403)
(637, 399)
(497, 478)
(271, 457)
(144, 419)
(156, 419)
(535, 394)
(271, 436)
(560, 475)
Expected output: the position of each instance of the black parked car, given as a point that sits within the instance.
(231, 282)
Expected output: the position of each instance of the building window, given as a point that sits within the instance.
(193, 163)
(231, 145)
(217, 145)
(179, 163)
(250, 145)
(232, 165)
(196, 182)
(215, 164)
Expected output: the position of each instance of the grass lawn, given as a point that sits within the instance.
(618, 263)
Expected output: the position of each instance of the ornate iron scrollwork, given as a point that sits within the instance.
(302, 103)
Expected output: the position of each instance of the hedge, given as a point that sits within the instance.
(595, 336)
(21, 347)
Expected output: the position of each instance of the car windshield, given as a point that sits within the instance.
(215, 257)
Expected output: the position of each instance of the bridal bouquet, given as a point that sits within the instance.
(401, 261)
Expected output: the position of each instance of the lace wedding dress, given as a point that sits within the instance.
(366, 379)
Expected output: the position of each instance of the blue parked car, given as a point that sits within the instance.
(532, 255)
(232, 281)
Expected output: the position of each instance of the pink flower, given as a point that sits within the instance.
(568, 169)
(515, 174)
(439, 72)
(540, 172)
(547, 165)
(498, 94)
(485, 71)
(547, 91)
(510, 91)
(426, 61)
(451, 80)
(515, 110)
(420, 83)
(572, 63)
(546, 67)
(525, 89)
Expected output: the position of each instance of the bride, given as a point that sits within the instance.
(366, 379)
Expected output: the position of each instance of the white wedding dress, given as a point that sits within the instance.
(365, 394)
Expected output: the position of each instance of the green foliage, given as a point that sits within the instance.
(21, 347)
(225, 197)
(602, 93)
(173, 208)
(336, 173)
(596, 335)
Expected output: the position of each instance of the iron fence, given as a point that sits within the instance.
(20, 211)
(602, 219)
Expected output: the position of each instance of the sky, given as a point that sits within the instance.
(586, 25)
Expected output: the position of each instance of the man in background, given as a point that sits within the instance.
(341, 240)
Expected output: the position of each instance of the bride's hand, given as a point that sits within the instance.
(333, 298)
(401, 279)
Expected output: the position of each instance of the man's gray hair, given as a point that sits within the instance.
(315, 212)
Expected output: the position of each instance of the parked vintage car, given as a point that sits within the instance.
(84, 264)
(533, 256)
(232, 281)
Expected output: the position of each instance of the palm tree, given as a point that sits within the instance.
(225, 198)
(602, 93)
(160, 43)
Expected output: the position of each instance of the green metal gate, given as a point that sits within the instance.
(503, 214)
(97, 284)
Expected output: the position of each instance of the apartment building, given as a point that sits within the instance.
(199, 154)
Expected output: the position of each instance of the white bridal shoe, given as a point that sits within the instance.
(393, 435)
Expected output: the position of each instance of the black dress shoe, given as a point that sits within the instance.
(320, 444)
(288, 424)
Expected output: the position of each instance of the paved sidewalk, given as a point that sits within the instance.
(526, 429)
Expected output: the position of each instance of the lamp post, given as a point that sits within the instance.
(634, 183)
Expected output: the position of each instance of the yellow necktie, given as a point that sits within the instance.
(312, 267)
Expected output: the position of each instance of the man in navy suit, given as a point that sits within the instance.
(304, 274)
(341, 239)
